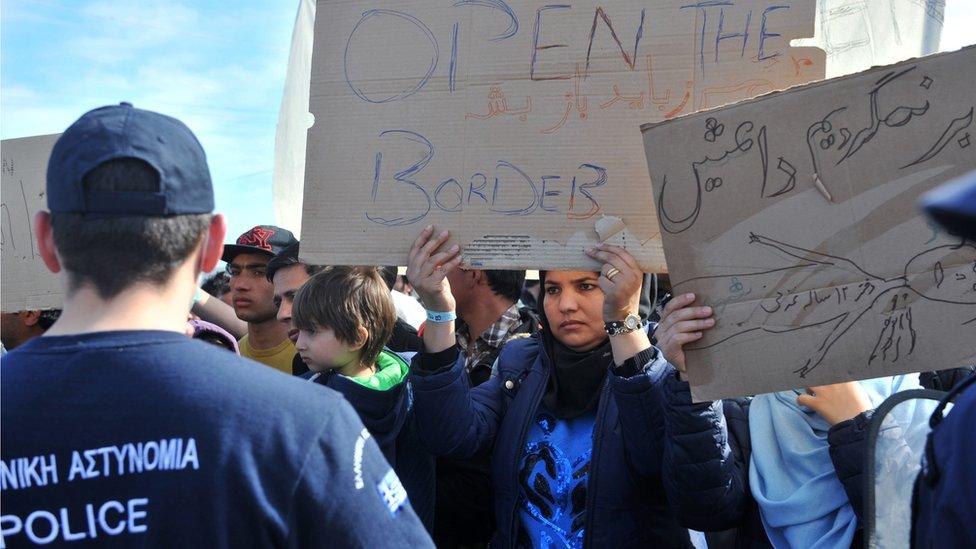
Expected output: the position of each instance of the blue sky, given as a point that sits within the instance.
(221, 71)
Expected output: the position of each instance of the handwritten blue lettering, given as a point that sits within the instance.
(704, 22)
(763, 35)
(548, 192)
(458, 195)
(403, 177)
(629, 59)
(400, 198)
(498, 5)
(744, 34)
(536, 48)
(478, 191)
(528, 180)
(380, 20)
(601, 180)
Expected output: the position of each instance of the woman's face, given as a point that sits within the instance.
(574, 305)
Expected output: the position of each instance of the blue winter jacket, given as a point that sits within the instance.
(627, 504)
(389, 417)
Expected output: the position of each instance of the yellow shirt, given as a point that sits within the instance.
(278, 357)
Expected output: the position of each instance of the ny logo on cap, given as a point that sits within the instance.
(258, 237)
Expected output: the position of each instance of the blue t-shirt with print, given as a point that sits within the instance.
(553, 472)
(150, 438)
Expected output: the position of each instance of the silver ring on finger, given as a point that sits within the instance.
(611, 272)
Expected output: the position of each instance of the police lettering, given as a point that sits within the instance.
(93, 521)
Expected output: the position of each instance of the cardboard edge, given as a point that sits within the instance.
(876, 68)
(23, 137)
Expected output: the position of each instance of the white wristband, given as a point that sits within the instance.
(440, 318)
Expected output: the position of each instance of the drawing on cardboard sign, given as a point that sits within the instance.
(796, 218)
(510, 121)
(840, 308)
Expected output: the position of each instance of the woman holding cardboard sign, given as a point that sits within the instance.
(576, 416)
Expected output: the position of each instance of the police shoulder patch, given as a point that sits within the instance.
(392, 492)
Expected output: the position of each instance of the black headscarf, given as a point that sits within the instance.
(577, 376)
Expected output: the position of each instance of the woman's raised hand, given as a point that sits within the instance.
(681, 324)
(427, 269)
(620, 279)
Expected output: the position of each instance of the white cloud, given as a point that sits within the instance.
(122, 31)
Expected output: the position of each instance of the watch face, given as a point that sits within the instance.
(632, 322)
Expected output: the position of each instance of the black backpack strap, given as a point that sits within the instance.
(930, 467)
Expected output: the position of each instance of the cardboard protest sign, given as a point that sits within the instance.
(27, 284)
(514, 123)
(796, 217)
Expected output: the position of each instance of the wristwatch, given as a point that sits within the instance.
(630, 323)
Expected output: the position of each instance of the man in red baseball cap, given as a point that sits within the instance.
(252, 295)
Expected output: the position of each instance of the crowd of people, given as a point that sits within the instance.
(355, 406)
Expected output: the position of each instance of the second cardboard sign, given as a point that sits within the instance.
(796, 217)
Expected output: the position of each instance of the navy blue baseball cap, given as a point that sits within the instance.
(123, 131)
(953, 205)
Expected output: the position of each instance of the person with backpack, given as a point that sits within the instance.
(806, 461)
(575, 416)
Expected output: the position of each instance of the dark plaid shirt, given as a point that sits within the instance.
(491, 340)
